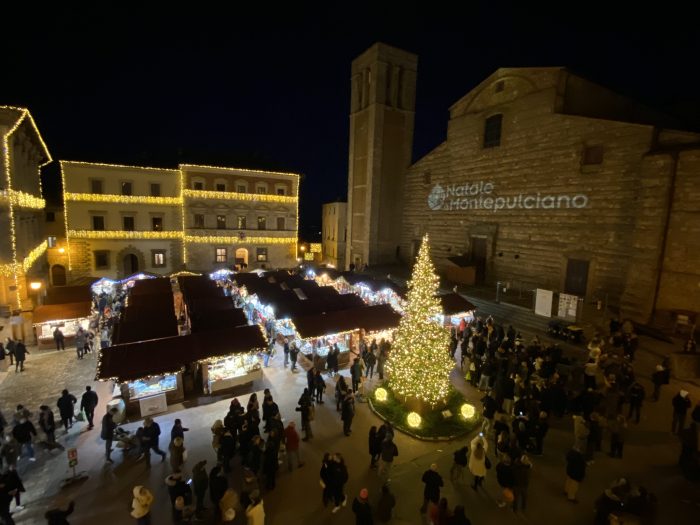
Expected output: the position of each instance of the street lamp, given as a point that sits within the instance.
(35, 285)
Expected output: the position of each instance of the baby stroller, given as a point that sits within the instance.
(127, 441)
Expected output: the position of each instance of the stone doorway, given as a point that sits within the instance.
(130, 264)
(58, 275)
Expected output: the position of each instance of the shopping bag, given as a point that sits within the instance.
(80, 416)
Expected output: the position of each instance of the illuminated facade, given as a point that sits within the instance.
(124, 219)
(334, 233)
(22, 241)
(547, 180)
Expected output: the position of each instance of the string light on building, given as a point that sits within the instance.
(21, 199)
(122, 234)
(214, 239)
(232, 195)
(121, 199)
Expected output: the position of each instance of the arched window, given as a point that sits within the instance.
(492, 131)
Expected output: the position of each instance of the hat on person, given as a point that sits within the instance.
(364, 494)
(683, 393)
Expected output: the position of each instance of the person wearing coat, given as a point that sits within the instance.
(348, 413)
(141, 505)
(255, 511)
(47, 424)
(107, 432)
(375, 447)
(66, 409)
(431, 492)
(575, 472)
(178, 453)
(20, 355)
(200, 484)
(58, 516)
(88, 402)
(385, 505)
(218, 483)
(304, 407)
(362, 509)
(477, 460)
(23, 433)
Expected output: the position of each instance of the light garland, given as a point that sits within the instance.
(246, 170)
(233, 195)
(122, 234)
(122, 199)
(227, 239)
(21, 199)
(419, 365)
(127, 166)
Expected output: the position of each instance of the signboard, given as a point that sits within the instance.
(72, 457)
(543, 302)
(153, 405)
(568, 306)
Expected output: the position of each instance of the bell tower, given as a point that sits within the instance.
(382, 111)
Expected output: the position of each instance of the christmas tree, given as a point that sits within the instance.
(419, 365)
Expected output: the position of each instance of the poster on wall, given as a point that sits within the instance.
(568, 305)
(543, 302)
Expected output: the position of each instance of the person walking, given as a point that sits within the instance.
(7, 492)
(151, 435)
(141, 505)
(506, 480)
(375, 447)
(431, 492)
(291, 446)
(618, 428)
(66, 409)
(636, 396)
(355, 374)
(338, 479)
(88, 403)
(362, 509)
(341, 390)
(200, 484)
(293, 353)
(20, 356)
(178, 454)
(460, 461)
(386, 504)
(319, 386)
(9, 451)
(10, 349)
(107, 432)
(325, 478)
(381, 358)
(370, 361)
(311, 380)
(286, 352)
(348, 413)
(80, 340)
(478, 462)
(47, 425)
(59, 339)
(23, 433)
(389, 451)
(575, 472)
(306, 409)
(658, 377)
(681, 404)
(332, 360)
(178, 430)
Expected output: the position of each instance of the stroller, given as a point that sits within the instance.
(127, 441)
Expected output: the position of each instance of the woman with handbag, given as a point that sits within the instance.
(478, 462)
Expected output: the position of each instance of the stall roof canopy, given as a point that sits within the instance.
(218, 319)
(151, 286)
(68, 294)
(369, 318)
(61, 312)
(129, 362)
(453, 303)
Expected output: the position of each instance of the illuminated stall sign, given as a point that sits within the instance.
(480, 196)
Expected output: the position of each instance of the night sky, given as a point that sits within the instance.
(270, 89)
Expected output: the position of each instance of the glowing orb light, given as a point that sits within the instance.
(413, 420)
(467, 411)
(380, 394)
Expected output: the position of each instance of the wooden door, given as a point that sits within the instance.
(479, 258)
(576, 277)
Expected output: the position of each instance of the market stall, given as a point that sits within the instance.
(68, 317)
(454, 309)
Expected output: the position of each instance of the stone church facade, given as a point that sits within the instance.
(553, 181)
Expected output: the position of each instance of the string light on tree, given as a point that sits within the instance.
(419, 365)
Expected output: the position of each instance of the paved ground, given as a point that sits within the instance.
(650, 457)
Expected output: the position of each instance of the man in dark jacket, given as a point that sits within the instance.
(107, 433)
(20, 355)
(88, 403)
(490, 407)
(433, 482)
(10, 349)
(356, 374)
(362, 509)
(23, 433)
(305, 409)
(347, 413)
(59, 516)
(151, 434)
(460, 461)
(59, 339)
(636, 396)
(389, 451)
(66, 406)
(575, 472)
(681, 404)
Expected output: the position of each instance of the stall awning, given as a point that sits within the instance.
(68, 294)
(129, 362)
(453, 303)
(61, 312)
(369, 318)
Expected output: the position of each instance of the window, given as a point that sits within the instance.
(50, 216)
(592, 155)
(500, 85)
(221, 222)
(198, 185)
(261, 189)
(241, 222)
(220, 187)
(51, 241)
(127, 188)
(262, 223)
(98, 222)
(155, 189)
(241, 188)
(281, 191)
(96, 186)
(157, 224)
(101, 259)
(128, 223)
(221, 255)
(280, 223)
(261, 255)
(157, 258)
(492, 131)
(198, 220)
